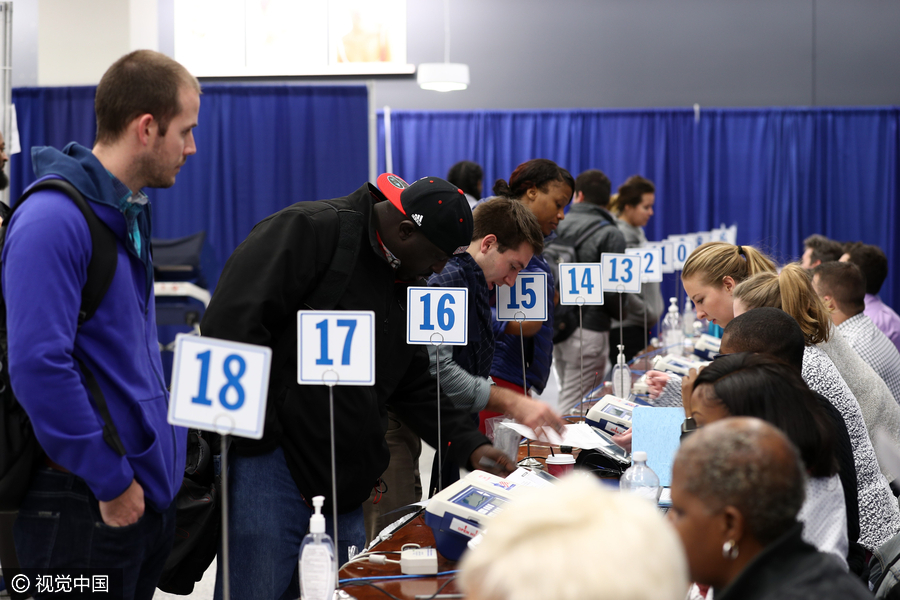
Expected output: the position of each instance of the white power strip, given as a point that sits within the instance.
(419, 561)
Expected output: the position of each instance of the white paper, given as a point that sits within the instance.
(578, 435)
(527, 478)
(11, 137)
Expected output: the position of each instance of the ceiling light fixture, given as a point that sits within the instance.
(445, 76)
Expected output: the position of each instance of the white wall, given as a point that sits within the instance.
(73, 42)
(552, 54)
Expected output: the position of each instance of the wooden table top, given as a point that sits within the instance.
(417, 532)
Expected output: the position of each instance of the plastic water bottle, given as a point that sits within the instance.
(317, 572)
(621, 376)
(672, 329)
(640, 479)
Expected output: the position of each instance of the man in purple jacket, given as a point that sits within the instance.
(90, 507)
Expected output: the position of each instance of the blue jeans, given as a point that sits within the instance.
(268, 520)
(59, 527)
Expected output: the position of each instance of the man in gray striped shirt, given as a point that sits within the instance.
(842, 286)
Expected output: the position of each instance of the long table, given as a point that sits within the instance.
(413, 532)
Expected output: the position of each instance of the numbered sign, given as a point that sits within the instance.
(731, 234)
(666, 254)
(719, 234)
(335, 347)
(580, 283)
(437, 315)
(219, 385)
(651, 263)
(682, 247)
(525, 301)
(621, 273)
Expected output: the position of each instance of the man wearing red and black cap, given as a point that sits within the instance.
(359, 252)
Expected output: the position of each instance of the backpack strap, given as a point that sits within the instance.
(100, 272)
(104, 254)
(589, 232)
(333, 284)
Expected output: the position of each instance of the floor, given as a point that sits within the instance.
(204, 588)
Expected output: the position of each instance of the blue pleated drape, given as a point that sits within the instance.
(259, 149)
(781, 174)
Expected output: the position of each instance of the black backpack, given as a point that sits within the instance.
(565, 250)
(20, 452)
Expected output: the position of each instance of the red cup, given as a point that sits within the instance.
(560, 464)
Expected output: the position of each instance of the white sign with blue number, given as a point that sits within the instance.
(621, 273)
(335, 347)
(219, 385)
(651, 263)
(526, 300)
(701, 237)
(724, 234)
(437, 315)
(580, 283)
(666, 254)
(683, 246)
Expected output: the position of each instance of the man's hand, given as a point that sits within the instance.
(490, 459)
(656, 381)
(126, 509)
(525, 410)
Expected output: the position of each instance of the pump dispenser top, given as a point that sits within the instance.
(317, 520)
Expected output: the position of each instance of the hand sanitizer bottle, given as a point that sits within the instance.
(317, 572)
(621, 376)
(672, 332)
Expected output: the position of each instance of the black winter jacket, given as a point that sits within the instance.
(791, 569)
(264, 283)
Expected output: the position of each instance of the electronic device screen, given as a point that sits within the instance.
(473, 500)
(615, 411)
(612, 449)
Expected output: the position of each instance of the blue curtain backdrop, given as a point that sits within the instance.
(259, 149)
(781, 174)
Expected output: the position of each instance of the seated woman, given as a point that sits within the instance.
(791, 291)
(737, 486)
(709, 277)
(757, 385)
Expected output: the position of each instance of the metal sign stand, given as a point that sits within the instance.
(580, 300)
(330, 384)
(440, 454)
(520, 320)
(224, 433)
